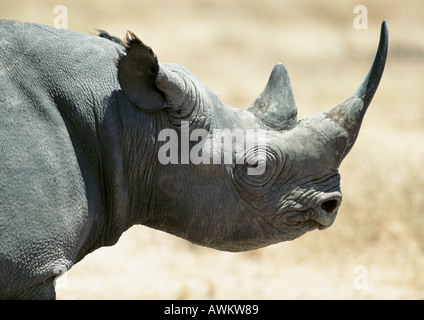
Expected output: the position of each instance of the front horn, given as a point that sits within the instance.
(348, 115)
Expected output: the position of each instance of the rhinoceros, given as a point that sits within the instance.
(80, 124)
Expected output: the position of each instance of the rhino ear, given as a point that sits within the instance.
(275, 106)
(137, 72)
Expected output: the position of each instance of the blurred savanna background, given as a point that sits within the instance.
(375, 249)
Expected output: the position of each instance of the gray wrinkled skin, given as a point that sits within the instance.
(79, 155)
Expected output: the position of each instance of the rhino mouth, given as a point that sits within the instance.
(323, 226)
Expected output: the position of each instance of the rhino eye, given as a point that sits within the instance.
(265, 168)
(258, 167)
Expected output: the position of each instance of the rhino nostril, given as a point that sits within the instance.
(330, 205)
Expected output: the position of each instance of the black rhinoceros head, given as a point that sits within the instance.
(275, 178)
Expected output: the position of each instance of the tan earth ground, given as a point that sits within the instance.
(375, 249)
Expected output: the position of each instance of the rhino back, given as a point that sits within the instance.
(49, 87)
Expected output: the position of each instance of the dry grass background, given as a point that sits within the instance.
(232, 45)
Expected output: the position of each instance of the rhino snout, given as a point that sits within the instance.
(326, 211)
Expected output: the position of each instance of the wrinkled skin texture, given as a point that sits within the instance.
(79, 155)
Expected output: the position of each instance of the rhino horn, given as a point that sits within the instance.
(348, 115)
(275, 106)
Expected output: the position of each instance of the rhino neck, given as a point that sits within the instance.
(127, 170)
(117, 155)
